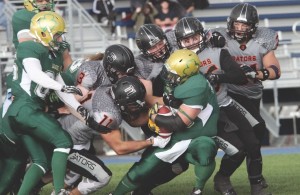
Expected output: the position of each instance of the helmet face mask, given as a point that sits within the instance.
(189, 33)
(148, 37)
(118, 61)
(39, 5)
(192, 42)
(47, 28)
(158, 51)
(242, 22)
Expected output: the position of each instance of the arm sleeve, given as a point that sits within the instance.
(68, 98)
(33, 68)
(233, 73)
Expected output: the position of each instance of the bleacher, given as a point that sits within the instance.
(281, 15)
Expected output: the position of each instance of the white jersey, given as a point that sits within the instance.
(104, 111)
(91, 74)
(251, 54)
(146, 68)
(210, 60)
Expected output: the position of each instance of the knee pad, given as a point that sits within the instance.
(87, 186)
(238, 157)
(71, 177)
(88, 165)
(179, 166)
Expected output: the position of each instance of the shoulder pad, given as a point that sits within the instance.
(223, 32)
(266, 37)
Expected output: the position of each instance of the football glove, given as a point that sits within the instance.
(159, 141)
(217, 39)
(83, 112)
(96, 126)
(171, 101)
(212, 78)
(153, 110)
(249, 72)
(71, 89)
(63, 46)
(152, 126)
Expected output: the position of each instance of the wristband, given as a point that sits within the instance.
(276, 70)
(265, 73)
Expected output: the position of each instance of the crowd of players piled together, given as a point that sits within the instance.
(191, 90)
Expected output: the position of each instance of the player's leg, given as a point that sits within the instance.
(201, 152)
(147, 167)
(41, 126)
(169, 173)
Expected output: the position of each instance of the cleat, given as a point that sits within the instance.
(196, 191)
(63, 192)
(259, 189)
(223, 185)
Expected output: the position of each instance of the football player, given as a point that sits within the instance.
(253, 46)
(107, 106)
(219, 68)
(193, 125)
(34, 75)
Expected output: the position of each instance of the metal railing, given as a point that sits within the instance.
(85, 35)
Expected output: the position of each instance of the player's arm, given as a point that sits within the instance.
(271, 65)
(114, 140)
(232, 72)
(150, 99)
(178, 121)
(33, 68)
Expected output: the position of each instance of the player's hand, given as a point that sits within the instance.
(64, 45)
(153, 110)
(83, 112)
(159, 141)
(71, 89)
(96, 126)
(217, 39)
(171, 101)
(249, 72)
(212, 78)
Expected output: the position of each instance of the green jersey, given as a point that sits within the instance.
(21, 20)
(196, 92)
(22, 84)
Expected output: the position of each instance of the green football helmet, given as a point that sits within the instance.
(38, 5)
(47, 27)
(181, 65)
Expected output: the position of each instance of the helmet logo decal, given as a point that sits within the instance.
(243, 14)
(111, 57)
(130, 90)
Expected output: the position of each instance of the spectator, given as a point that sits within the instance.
(135, 4)
(201, 4)
(188, 5)
(166, 17)
(144, 15)
(103, 8)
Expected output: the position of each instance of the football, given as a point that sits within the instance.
(163, 132)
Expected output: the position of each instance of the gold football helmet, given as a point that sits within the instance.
(47, 27)
(37, 5)
(181, 65)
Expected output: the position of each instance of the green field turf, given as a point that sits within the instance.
(281, 171)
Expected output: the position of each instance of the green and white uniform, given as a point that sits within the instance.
(21, 20)
(26, 116)
(194, 143)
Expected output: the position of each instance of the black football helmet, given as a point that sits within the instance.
(189, 26)
(149, 35)
(129, 94)
(118, 59)
(245, 13)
